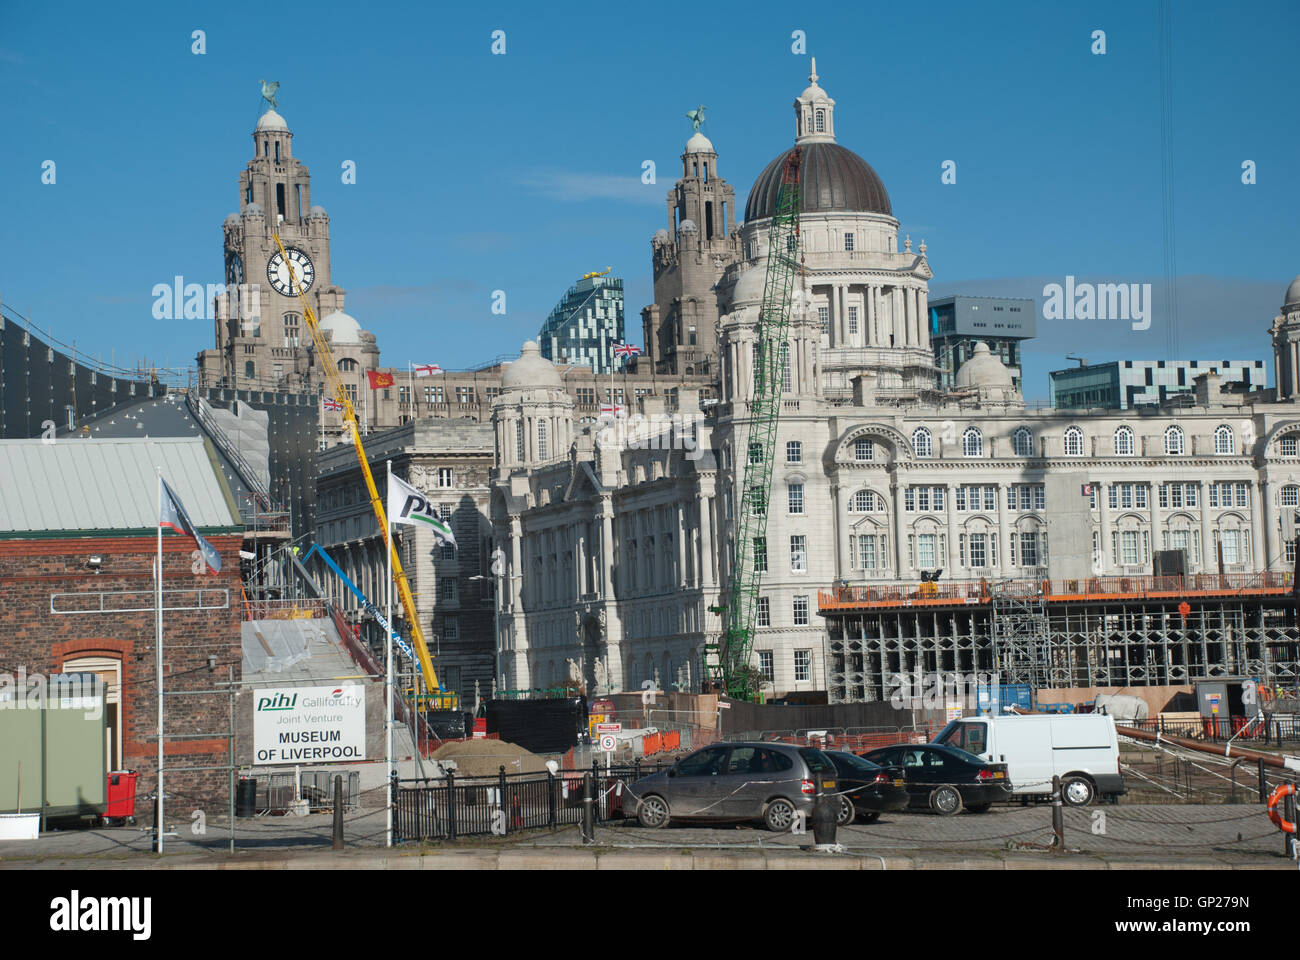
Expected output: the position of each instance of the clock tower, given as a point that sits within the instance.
(262, 339)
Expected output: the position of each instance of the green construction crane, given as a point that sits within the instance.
(728, 663)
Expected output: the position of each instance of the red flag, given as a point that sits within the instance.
(378, 380)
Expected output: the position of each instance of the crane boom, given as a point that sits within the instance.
(326, 358)
(730, 664)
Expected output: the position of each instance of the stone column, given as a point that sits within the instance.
(606, 549)
(1157, 521)
(680, 578)
(1259, 497)
(900, 546)
(1209, 556)
(1272, 535)
(1005, 532)
(868, 315)
(708, 568)
(950, 501)
(1103, 493)
(923, 308)
(843, 529)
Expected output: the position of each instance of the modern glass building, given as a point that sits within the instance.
(958, 323)
(1124, 384)
(584, 326)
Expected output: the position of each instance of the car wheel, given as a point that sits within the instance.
(847, 812)
(945, 801)
(652, 812)
(779, 815)
(871, 817)
(979, 807)
(1077, 791)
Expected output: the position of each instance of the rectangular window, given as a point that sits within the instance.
(848, 242)
(1112, 496)
(760, 554)
(853, 321)
(763, 613)
(587, 395)
(1028, 549)
(433, 394)
(1189, 492)
(961, 498)
(451, 628)
(867, 552)
(1129, 542)
(798, 554)
(1140, 496)
(925, 555)
(794, 452)
(464, 395)
(824, 317)
(1126, 495)
(909, 499)
(766, 666)
(1243, 494)
(445, 478)
(978, 555)
(801, 611)
(796, 498)
(990, 498)
(447, 589)
(802, 665)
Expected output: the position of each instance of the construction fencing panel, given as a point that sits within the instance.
(452, 808)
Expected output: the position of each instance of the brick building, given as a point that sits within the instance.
(78, 521)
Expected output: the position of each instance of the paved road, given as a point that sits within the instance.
(1237, 834)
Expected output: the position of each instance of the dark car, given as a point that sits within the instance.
(773, 782)
(946, 779)
(866, 789)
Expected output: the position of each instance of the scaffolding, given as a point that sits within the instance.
(1112, 632)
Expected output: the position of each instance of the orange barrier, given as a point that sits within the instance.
(650, 743)
(672, 740)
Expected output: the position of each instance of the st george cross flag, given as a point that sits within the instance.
(610, 409)
(408, 505)
(332, 404)
(427, 369)
(175, 517)
(626, 350)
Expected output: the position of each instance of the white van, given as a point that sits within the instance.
(1081, 749)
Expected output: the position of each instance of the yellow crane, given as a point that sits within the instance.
(436, 698)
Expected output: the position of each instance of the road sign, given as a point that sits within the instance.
(608, 728)
(607, 743)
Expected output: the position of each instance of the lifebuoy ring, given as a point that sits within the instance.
(1286, 789)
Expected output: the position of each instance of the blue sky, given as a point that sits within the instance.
(521, 172)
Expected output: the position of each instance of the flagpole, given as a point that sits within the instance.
(388, 643)
(410, 378)
(158, 663)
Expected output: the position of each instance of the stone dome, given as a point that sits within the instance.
(272, 121)
(317, 212)
(983, 369)
(699, 143)
(1293, 294)
(531, 371)
(688, 226)
(749, 288)
(342, 327)
(833, 179)
(232, 219)
(661, 236)
(253, 210)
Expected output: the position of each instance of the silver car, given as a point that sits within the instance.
(773, 782)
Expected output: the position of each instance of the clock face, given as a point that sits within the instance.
(278, 272)
(234, 270)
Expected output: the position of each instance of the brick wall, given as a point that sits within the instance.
(31, 571)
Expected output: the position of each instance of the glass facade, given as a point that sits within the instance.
(585, 325)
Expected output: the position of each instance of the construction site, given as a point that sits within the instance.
(1060, 635)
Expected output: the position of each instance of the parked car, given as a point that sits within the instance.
(946, 779)
(772, 782)
(1083, 750)
(866, 789)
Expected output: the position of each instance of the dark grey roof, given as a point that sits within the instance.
(832, 178)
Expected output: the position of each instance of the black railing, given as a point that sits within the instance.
(451, 807)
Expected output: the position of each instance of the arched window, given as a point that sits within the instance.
(821, 121)
(864, 449)
(541, 439)
(1073, 442)
(1023, 442)
(292, 324)
(922, 442)
(865, 501)
(1124, 442)
(1174, 441)
(1223, 440)
(972, 443)
(348, 365)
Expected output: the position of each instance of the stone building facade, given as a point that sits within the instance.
(617, 546)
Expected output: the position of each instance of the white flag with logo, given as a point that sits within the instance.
(408, 505)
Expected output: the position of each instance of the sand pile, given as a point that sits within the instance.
(484, 758)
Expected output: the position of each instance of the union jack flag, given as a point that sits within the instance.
(626, 350)
(332, 404)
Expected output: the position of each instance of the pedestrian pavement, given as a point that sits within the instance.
(1010, 837)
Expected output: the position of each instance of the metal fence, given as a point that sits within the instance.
(445, 809)
(1219, 729)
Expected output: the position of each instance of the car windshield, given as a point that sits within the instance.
(848, 761)
(961, 754)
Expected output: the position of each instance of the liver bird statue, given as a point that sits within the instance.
(696, 117)
(268, 91)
